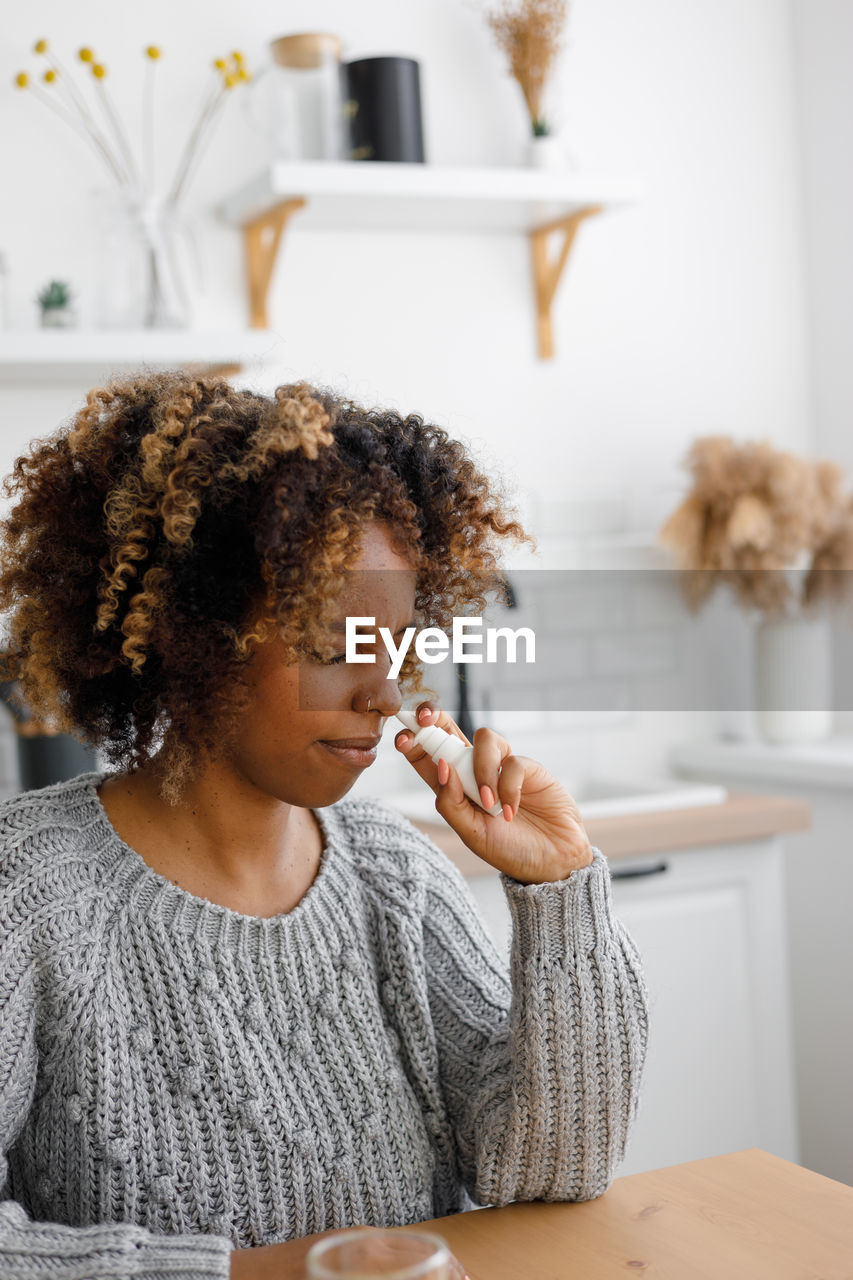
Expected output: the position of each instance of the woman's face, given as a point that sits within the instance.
(296, 710)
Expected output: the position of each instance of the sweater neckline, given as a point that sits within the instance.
(129, 873)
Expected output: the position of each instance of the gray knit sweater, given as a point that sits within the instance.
(177, 1079)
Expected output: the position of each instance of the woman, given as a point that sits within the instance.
(234, 1011)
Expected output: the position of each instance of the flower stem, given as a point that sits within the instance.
(121, 139)
(82, 131)
(148, 124)
(214, 97)
(77, 101)
(202, 142)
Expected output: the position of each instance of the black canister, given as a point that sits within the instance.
(384, 97)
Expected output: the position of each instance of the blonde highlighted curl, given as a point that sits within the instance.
(177, 522)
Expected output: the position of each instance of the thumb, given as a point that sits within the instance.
(454, 806)
(422, 763)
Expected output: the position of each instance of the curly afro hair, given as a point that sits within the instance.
(175, 521)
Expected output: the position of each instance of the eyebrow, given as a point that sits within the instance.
(342, 626)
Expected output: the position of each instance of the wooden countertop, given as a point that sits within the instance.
(744, 1216)
(747, 1215)
(743, 816)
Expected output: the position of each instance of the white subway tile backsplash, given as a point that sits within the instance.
(637, 653)
(588, 722)
(655, 600)
(506, 721)
(592, 696)
(584, 606)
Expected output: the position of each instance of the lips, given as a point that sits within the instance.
(353, 751)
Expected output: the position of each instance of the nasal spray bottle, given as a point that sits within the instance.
(441, 745)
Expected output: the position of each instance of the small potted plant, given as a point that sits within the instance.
(56, 309)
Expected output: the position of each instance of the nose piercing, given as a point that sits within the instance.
(368, 702)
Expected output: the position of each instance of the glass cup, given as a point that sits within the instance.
(377, 1254)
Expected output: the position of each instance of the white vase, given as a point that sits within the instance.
(793, 672)
(145, 256)
(546, 151)
(58, 318)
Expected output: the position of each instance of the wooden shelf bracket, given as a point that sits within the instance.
(546, 275)
(263, 236)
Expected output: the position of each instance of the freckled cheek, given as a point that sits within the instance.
(323, 689)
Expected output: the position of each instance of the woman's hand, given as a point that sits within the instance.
(540, 836)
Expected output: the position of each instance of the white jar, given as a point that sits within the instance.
(299, 101)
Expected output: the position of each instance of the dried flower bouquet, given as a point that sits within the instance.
(776, 528)
(529, 34)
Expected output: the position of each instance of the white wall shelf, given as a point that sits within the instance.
(378, 196)
(69, 357)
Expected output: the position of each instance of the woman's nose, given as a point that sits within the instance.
(384, 692)
(392, 699)
(384, 695)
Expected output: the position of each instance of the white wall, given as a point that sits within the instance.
(681, 316)
(823, 46)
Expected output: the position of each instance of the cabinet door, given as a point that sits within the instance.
(709, 927)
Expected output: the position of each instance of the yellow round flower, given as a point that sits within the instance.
(49, 76)
(153, 52)
(230, 81)
(243, 74)
(22, 79)
(238, 57)
(86, 55)
(219, 64)
(40, 46)
(99, 71)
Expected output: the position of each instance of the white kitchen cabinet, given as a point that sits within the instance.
(818, 869)
(710, 926)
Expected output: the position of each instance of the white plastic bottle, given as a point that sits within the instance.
(441, 745)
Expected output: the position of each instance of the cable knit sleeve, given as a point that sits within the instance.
(34, 1250)
(540, 1067)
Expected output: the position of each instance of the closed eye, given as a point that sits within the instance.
(342, 657)
(327, 662)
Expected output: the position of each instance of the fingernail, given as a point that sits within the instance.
(487, 796)
(404, 742)
(508, 812)
(424, 713)
(443, 771)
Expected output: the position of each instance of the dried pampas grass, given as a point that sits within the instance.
(777, 528)
(529, 34)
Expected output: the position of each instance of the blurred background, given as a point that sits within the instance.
(710, 295)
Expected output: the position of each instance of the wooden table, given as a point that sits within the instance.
(743, 1216)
